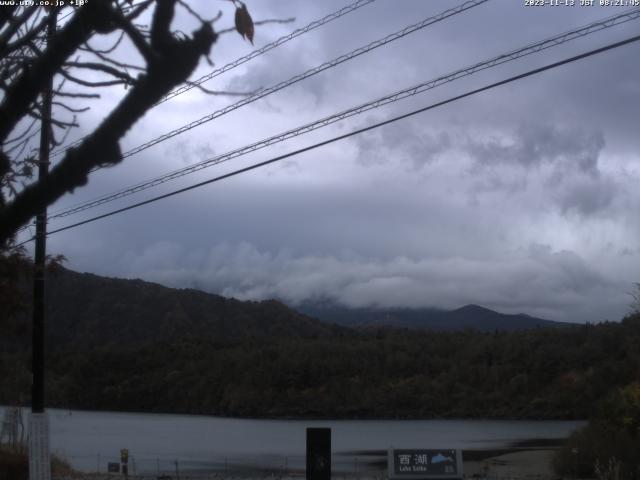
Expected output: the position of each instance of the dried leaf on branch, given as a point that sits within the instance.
(244, 22)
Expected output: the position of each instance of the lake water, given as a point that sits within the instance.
(88, 440)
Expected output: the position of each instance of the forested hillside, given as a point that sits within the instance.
(86, 311)
(185, 351)
(556, 373)
(536, 374)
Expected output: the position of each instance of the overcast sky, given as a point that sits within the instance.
(521, 199)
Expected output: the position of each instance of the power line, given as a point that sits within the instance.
(309, 73)
(303, 76)
(355, 132)
(394, 97)
(270, 46)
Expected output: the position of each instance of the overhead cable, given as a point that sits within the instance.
(270, 46)
(303, 76)
(514, 78)
(255, 53)
(394, 97)
(309, 73)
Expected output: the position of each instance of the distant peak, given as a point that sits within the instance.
(472, 308)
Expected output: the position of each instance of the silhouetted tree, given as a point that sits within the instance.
(635, 304)
(29, 62)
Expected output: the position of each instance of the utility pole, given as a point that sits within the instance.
(39, 455)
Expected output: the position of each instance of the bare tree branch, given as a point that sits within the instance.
(138, 10)
(197, 16)
(109, 50)
(221, 92)
(114, 72)
(59, 93)
(70, 109)
(27, 64)
(172, 62)
(23, 92)
(14, 25)
(54, 121)
(87, 83)
(116, 63)
(23, 134)
(137, 38)
(6, 14)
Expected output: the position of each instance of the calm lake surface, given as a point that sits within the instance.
(156, 441)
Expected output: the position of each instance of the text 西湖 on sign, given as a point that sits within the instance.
(432, 463)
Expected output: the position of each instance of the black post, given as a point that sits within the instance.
(37, 387)
(318, 453)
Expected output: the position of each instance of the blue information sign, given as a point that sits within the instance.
(432, 463)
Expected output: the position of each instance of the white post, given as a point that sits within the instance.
(39, 457)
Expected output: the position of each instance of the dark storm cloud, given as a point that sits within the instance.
(566, 159)
(521, 199)
(599, 97)
(537, 279)
(587, 196)
(188, 152)
(408, 142)
(569, 149)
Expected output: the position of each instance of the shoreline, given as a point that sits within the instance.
(492, 463)
(515, 465)
(499, 449)
(303, 418)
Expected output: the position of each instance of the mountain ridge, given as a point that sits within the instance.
(85, 311)
(471, 316)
